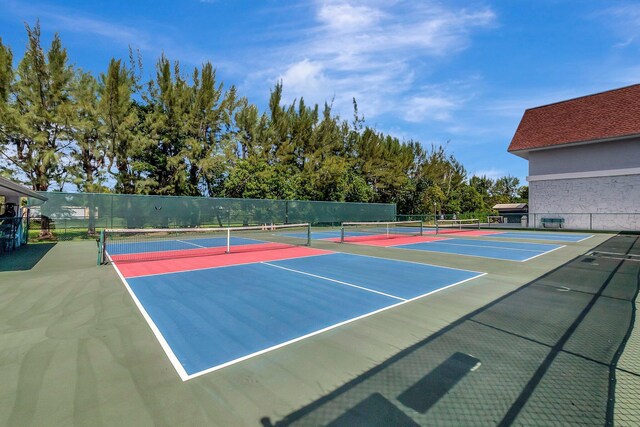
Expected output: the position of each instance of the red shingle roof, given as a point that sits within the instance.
(611, 114)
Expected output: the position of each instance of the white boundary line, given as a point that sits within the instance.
(544, 253)
(249, 356)
(539, 233)
(481, 246)
(183, 374)
(412, 262)
(475, 256)
(453, 253)
(334, 280)
(163, 343)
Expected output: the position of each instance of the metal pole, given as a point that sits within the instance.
(435, 212)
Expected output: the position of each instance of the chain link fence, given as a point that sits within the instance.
(69, 216)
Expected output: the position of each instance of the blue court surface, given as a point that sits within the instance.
(557, 237)
(211, 318)
(510, 251)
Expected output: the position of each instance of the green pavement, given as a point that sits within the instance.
(549, 338)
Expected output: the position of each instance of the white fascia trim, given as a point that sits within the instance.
(525, 151)
(586, 174)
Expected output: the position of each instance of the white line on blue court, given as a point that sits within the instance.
(544, 253)
(156, 331)
(334, 280)
(474, 246)
(180, 369)
(419, 263)
(189, 243)
(266, 350)
(475, 256)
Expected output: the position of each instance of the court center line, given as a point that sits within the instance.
(328, 328)
(335, 281)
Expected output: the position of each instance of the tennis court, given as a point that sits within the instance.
(449, 241)
(557, 237)
(211, 311)
(509, 251)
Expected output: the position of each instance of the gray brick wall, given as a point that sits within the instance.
(606, 203)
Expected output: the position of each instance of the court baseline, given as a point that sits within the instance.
(213, 317)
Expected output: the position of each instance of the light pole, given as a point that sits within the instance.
(435, 213)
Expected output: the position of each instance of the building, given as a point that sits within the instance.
(511, 212)
(584, 161)
(13, 216)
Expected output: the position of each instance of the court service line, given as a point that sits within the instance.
(328, 328)
(189, 243)
(454, 253)
(486, 246)
(163, 343)
(415, 262)
(334, 280)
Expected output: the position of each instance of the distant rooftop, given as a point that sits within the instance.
(606, 115)
(510, 206)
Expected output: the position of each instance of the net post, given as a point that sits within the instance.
(309, 234)
(101, 249)
(342, 233)
(228, 240)
(421, 228)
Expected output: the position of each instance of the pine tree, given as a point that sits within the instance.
(119, 118)
(89, 151)
(37, 111)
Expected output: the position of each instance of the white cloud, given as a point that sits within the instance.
(624, 21)
(304, 77)
(346, 18)
(492, 173)
(375, 51)
(420, 108)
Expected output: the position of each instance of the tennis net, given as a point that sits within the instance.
(444, 226)
(363, 231)
(146, 244)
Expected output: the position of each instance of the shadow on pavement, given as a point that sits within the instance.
(545, 354)
(25, 257)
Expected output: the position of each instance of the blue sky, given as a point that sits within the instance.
(461, 72)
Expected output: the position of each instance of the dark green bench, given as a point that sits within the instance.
(552, 222)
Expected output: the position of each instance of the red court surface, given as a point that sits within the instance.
(163, 266)
(183, 253)
(385, 241)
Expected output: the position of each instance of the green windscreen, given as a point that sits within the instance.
(71, 215)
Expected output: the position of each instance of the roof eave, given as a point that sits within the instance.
(524, 152)
(20, 190)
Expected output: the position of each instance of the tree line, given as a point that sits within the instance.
(180, 133)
